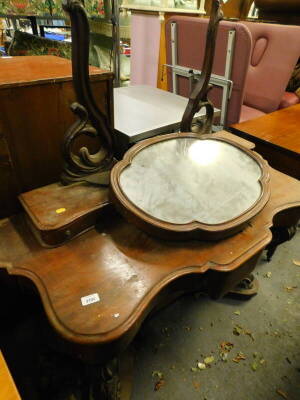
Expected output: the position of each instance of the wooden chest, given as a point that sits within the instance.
(35, 95)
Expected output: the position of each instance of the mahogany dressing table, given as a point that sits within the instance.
(98, 273)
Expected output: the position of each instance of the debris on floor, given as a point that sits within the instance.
(201, 365)
(290, 288)
(239, 330)
(196, 385)
(209, 360)
(254, 366)
(239, 357)
(225, 349)
(157, 374)
(159, 384)
(282, 393)
(297, 262)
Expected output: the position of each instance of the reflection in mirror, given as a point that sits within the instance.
(188, 179)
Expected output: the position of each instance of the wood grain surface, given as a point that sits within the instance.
(34, 70)
(280, 128)
(129, 269)
(276, 137)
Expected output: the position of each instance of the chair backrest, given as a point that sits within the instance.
(275, 51)
(191, 36)
(145, 41)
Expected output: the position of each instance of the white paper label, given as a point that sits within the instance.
(90, 299)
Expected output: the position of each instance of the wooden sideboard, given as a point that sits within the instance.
(276, 137)
(35, 95)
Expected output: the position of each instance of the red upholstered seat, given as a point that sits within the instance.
(249, 113)
(289, 99)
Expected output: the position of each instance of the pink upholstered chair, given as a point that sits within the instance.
(275, 52)
(190, 35)
(264, 58)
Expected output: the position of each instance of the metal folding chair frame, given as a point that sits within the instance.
(221, 81)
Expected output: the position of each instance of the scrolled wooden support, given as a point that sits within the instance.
(198, 97)
(92, 122)
(79, 167)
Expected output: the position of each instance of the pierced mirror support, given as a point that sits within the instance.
(91, 121)
(198, 97)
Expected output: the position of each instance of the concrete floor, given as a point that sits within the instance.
(183, 334)
(191, 329)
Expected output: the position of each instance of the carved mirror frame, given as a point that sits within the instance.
(193, 229)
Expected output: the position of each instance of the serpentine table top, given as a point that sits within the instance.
(128, 272)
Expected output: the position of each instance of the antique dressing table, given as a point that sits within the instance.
(123, 237)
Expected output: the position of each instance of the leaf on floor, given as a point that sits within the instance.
(209, 360)
(238, 330)
(201, 365)
(296, 262)
(226, 346)
(239, 357)
(282, 393)
(159, 384)
(157, 374)
(225, 349)
(223, 356)
(268, 274)
(196, 385)
(250, 334)
(290, 288)
(254, 366)
(237, 312)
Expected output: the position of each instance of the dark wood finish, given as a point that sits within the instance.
(280, 11)
(92, 121)
(192, 230)
(232, 9)
(198, 97)
(132, 271)
(58, 213)
(35, 96)
(276, 137)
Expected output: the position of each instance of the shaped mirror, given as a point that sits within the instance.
(183, 185)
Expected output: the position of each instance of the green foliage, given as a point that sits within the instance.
(47, 7)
